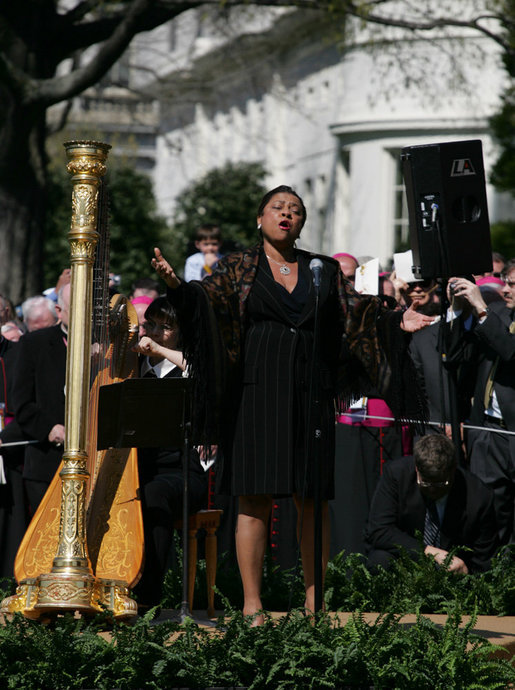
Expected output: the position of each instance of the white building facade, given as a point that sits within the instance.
(277, 87)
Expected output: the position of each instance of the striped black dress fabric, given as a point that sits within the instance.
(268, 450)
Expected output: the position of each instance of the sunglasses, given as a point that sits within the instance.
(423, 284)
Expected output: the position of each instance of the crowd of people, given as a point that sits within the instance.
(407, 369)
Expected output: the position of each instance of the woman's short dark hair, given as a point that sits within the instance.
(161, 308)
(282, 189)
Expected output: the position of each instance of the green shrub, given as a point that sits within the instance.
(408, 587)
(412, 586)
(294, 652)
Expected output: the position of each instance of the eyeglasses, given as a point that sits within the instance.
(153, 326)
(509, 283)
(433, 485)
(422, 284)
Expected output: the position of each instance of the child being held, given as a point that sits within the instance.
(208, 241)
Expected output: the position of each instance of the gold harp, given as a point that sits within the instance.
(83, 549)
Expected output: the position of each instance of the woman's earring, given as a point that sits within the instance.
(259, 226)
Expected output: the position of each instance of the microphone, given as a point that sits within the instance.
(315, 266)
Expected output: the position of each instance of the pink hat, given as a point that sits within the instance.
(490, 280)
(143, 299)
(341, 254)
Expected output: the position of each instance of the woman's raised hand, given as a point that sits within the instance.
(164, 270)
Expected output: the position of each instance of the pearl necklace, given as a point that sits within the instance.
(283, 268)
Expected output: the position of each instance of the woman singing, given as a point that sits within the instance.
(248, 331)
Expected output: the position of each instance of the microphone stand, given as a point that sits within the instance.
(443, 342)
(452, 413)
(185, 609)
(315, 429)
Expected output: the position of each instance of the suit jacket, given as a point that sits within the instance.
(495, 340)
(460, 363)
(38, 397)
(13, 457)
(7, 350)
(398, 511)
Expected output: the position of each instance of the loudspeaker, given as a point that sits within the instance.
(448, 214)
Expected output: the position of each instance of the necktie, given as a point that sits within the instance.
(431, 527)
(150, 374)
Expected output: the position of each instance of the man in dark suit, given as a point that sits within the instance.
(39, 399)
(446, 504)
(445, 359)
(491, 449)
(13, 513)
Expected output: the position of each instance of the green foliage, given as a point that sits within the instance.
(61, 656)
(408, 587)
(503, 122)
(279, 586)
(295, 651)
(228, 196)
(503, 237)
(135, 227)
(412, 586)
(292, 652)
(7, 587)
(503, 128)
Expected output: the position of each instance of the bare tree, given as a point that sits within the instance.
(39, 36)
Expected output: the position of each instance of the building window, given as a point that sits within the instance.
(401, 237)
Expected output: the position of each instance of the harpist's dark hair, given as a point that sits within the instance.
(284, 189)
(162, 309)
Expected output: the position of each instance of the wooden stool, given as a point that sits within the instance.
(208, 520)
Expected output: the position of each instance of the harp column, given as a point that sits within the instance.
(71, 584)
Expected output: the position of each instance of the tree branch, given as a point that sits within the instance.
(77, 13)
(49, 91)
(122, 21)
(364, 13)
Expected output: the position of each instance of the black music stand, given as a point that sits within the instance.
(150, 413)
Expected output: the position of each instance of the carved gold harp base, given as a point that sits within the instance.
(54, 593)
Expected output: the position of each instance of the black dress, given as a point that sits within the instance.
(267, 452)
